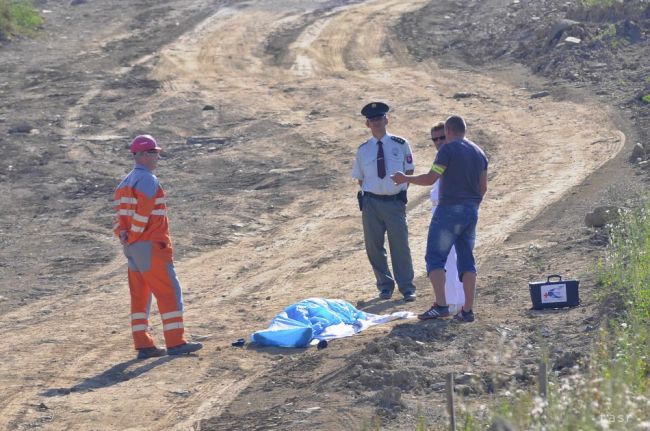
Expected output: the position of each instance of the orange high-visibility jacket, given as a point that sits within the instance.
(141, 209)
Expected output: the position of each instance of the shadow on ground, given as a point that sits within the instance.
(114, 375)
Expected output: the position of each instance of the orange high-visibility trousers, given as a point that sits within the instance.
(151, 271)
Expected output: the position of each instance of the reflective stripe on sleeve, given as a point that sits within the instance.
(136, 316)
(141, 219)
(170, 326)
(438, 169)
(137, 328)
(160, 201)
(171, 315)
(137, 228)
(126, 212)
(159, 212)
(128, 200)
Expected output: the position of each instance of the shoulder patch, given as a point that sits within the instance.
(398, 139)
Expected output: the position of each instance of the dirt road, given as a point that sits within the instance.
(257, 106)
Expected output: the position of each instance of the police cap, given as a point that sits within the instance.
(375, 109)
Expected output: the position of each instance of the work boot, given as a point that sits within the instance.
(151, 352)
(184, 348)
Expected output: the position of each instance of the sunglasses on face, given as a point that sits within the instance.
(152, 151)
(438, 138)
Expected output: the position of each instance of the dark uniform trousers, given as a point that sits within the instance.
(381, 216)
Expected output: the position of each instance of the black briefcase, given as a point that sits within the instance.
(554, 294)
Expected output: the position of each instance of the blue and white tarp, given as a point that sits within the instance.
(310, 320)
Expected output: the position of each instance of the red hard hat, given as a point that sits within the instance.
(144, 143)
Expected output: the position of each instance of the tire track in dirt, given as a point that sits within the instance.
(330, 50)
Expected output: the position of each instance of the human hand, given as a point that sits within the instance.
(124, 237)
(398, 177)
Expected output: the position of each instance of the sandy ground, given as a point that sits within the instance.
(263, 214)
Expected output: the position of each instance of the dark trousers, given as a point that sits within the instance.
(381, 217)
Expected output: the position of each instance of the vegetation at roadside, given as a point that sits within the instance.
(599, 3)
(18, 18)
(606, 9)
(610, 389)
(615, 4)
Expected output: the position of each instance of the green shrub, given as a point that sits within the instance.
(605, 10)
(626, 271)
(599, 3)
(18, 17)
(646, 99)
(26, 16)
(5, 19)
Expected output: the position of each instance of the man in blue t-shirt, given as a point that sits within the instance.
(462, 167)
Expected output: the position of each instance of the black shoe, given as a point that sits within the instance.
(151, 352)
(184, 348)
(385, 294)
(409, 297)
(464, 316)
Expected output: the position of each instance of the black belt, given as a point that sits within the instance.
(401, 196)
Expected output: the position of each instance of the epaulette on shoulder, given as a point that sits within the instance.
(398, 139)
(364, 143)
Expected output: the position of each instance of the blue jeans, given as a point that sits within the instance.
(452, 225)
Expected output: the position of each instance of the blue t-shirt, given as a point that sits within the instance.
(465, 162)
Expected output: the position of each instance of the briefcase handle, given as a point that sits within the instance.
(559, 277)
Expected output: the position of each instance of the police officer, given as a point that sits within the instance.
(383, 203)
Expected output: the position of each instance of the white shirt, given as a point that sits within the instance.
(397, 157)
(435, 195)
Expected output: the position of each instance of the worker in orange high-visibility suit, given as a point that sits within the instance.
(143, 229)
